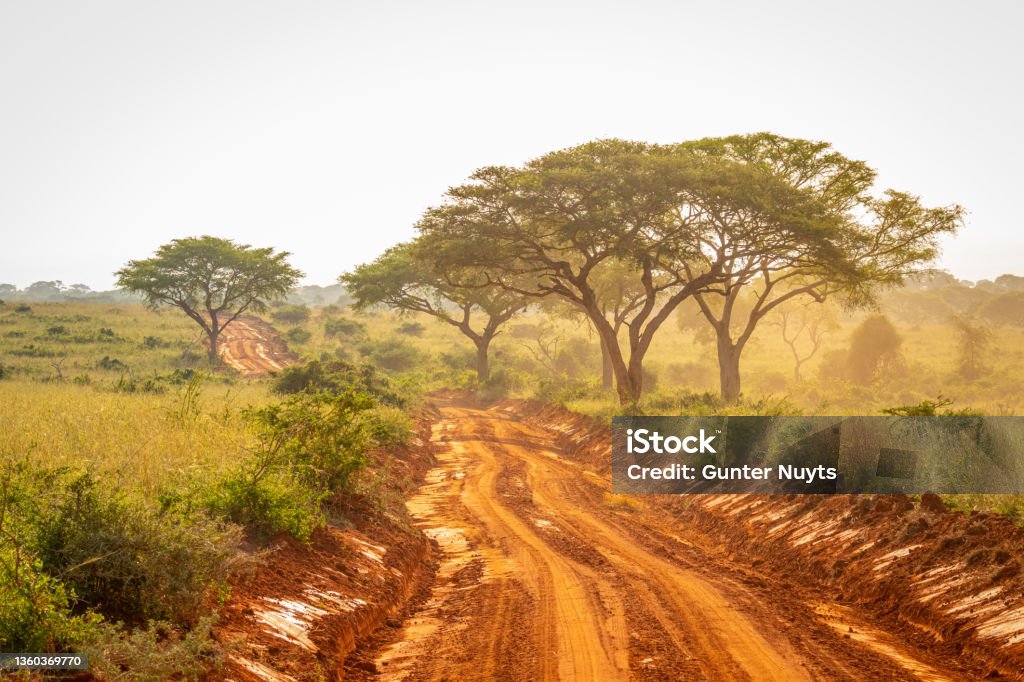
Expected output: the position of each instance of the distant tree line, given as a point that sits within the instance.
(937, 297)
(721, 233)
(57, 291)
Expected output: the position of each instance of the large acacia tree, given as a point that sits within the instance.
(564, 223)
(410, 278)
(212, 280)
(849, 243)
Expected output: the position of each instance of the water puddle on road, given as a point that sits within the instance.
(429, 507)
(841, 620)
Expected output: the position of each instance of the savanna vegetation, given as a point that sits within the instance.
(743, 275)
(136, 478)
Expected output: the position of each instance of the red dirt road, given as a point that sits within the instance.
(545, 575)
(253, 348)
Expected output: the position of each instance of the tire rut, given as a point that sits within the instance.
(568, 588)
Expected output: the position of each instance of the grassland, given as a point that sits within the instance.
(103, 385)
(131, 473)
(682, 363)
(112, 426)
(76, 396)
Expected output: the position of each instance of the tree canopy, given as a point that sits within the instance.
(409, 278)
(550, 228)
(702, 219)
(626, 232)
(212, 280)
(833, 237)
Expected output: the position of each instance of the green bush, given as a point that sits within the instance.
(308, 447)
(36, 609)
(930, 408)
(682, 402)
(291, 314)
(389, 426)
(337, 376)
(411, 329)
(392, 354)
(155, 653)
(298, 335)
(323, 436)
(689, 374)
(152, 342)
(560, 392)
(129, 384)
(874, 349)
(112, 364)
(458, 360)
(771, 381)
(123, 557)
(156, 383)
(33, 351)
(72, 548)
(266, 503)
(343, 327)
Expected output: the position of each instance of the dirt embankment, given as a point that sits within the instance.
(306, 607)
(526, 567)
(883, 570)
(254, 348)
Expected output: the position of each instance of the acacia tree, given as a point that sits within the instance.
(804, 329)
(975, 340)
(212, 280)
(551, 227)
(848, 243)
(407, 278)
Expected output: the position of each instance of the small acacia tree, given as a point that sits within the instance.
(975, 341)
(409, 279)
(804, 329)
(212, 280)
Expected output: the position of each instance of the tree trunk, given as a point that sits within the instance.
(729, 369)
(214, 335)
(607, 372)
(483, 369)
(628, 379)
(635, 375)
(214, 349)
(628, 389)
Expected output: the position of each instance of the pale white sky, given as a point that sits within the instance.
(325, 128)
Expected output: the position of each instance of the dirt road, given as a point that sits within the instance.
(546, 575)
(253, 348)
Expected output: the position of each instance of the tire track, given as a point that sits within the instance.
(253, 348)
(568, 589)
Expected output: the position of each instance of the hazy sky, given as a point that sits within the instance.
(325, 128)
